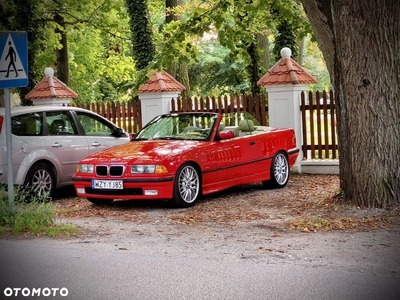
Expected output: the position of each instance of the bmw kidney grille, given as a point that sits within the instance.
(110, 170)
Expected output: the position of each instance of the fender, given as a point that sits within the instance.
(33, 157)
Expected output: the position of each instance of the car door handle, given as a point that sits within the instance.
(56, 145)
(96, 144)
(252, 143)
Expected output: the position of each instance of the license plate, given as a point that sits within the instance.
(107, 184)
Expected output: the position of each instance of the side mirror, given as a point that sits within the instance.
(118, 132)
(225, 135)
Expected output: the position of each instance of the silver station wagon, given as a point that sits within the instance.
(49, 141)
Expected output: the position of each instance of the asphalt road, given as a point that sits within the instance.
(65, 269)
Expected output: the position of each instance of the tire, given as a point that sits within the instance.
(279, 171)
(98, 201)
(41, 179)
(187, 186)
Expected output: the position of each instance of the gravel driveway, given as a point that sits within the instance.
(302, 224)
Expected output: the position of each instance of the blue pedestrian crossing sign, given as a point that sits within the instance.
(13, 59)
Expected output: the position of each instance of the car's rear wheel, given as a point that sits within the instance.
(41, 180)
(279, 171)
(98, 201)
(186, 186)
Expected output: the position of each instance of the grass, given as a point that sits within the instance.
(31, 216)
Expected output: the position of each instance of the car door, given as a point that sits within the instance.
(229, 156)
(27, 143)
(63, 143)
(99, 133)
(238, 157)
(252, 154)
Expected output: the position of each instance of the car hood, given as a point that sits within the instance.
(143, 151)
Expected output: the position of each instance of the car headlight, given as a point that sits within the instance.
(84, 168)
(148, 169)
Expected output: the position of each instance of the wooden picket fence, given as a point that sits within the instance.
(319, 125)
(256, 105)
(317, 110)
(126, 115)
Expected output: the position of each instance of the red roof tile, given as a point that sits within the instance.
(162, 82)
(286, 70)
(51, 87)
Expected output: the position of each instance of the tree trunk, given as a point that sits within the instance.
(366, 70)
(254, 68)
(62, 60)
(169, 17)
(178, 70)
(62, 54)
(301, 51)
(183, 77)
(264, 46)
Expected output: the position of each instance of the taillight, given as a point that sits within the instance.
(1, 122)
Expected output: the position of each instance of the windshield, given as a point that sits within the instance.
(184, 126)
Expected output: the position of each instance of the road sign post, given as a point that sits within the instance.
(13, 73)
(10, 172)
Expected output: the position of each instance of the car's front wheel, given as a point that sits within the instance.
(279, 171)
(187, 186)
(41, 179)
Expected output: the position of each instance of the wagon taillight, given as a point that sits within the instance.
(1, 123)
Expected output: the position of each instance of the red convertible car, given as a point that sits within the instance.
(179, 157)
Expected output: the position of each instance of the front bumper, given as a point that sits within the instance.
(133, 189)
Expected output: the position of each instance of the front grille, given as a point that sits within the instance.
(110, 170)
(101, 170)
(116, 170)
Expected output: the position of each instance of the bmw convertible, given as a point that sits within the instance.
(181, 156)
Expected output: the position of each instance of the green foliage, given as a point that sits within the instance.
(101, 67)
(216, 73)
(314, 63)
(92, 28)
(100, 74)
(236, 24)
(22, 15)
(31, 215)
(108, 61)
